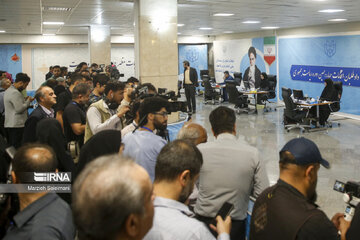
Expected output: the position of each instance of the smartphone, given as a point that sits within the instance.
(223, 212)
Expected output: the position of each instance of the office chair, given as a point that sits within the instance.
(240, 100)
(210, 93)
(335, 107)
(294, 117)
(272, 92)
(237, 78)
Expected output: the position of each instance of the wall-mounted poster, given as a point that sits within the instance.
(245, 56)
(10, 59)
(197, 55)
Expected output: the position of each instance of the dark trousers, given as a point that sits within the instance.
(225, 95)
(324, 113)
(190, 96)
(238, 227)
(14, 136)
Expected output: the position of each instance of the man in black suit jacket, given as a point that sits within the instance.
(190, 83)
(46, 98)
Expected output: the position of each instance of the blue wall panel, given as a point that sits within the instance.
(337, 52)
(8, 65)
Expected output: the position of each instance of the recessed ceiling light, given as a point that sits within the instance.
(331, 10)
(48, 34)
(180, 25)
(63, 9)
(53, 23)
(223, 14)
(2, 31)
(251, 22)
(269, 27)
(228, 32)
(205, 28)
(179, 33)
(337, 20)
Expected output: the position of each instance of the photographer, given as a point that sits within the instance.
(106, 113)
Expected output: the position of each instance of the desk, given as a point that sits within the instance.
(255, 95)
(317, 104)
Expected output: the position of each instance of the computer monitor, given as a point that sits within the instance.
(204, 72)
(298, 94)
(238, 75)
(205, 78)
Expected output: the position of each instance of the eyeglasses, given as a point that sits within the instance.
(164, 114)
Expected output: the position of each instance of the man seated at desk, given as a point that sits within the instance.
(227, 78)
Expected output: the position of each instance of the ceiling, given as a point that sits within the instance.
(26, 16)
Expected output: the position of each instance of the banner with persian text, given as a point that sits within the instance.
(304, 63)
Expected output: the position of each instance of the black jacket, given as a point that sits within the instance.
(193, 77)
(31, 123)
(281, 212)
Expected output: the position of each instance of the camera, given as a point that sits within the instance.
(142, 92)
(351, 197)
(174, 105)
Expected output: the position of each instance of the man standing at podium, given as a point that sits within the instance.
(190, 83)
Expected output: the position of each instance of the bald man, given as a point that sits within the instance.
(118, 187)
(193, 132)
(46, 99)
(42, 215)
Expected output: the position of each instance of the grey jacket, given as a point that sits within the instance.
(15, 108)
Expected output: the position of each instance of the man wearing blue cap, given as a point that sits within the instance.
(287, 210)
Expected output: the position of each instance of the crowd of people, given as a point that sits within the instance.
(128, 182)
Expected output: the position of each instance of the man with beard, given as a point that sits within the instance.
(74, 116)
(144, 145)
(177, 169)
(105, 113)
(16, 109)
(287, 210)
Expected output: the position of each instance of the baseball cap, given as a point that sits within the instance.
(305, 152)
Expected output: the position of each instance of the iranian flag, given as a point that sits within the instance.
(269, 50)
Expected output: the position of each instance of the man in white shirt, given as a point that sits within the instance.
(177, 169)
(106, 114)
(232, 171)
(190, 83)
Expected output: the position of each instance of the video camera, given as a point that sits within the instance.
(351, 196)
(174, 104)
(142, 92)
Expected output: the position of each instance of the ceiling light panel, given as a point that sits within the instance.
(58, 9)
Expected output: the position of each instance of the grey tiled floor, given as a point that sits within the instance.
(339, 145)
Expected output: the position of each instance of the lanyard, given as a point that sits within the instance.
(147, 129)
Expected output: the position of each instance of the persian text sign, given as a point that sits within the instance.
(349, 76)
